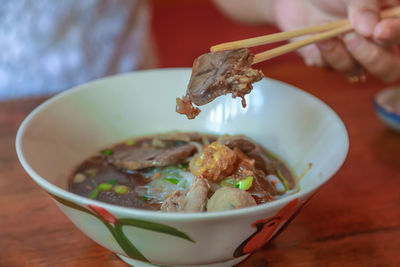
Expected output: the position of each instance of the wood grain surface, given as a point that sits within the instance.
(354, 220)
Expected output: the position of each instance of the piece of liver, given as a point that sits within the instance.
(216, 74)
(145, 157)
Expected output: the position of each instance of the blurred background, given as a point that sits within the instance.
(185, 29)
(56, 46)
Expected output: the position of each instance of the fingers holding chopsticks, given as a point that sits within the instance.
(387, 31)
(376, 26)
(354, 50)
(336, 55)
(382, 61)
(373, 46)
(363, 15)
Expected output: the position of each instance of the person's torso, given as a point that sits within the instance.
(51, 45)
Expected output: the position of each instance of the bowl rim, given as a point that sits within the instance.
(157, 215)
(381, 108)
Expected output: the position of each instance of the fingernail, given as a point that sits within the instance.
(353, 41)
(367, 22)
(326, 45)
(382, 33)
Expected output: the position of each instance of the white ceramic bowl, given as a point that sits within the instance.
(71, 126)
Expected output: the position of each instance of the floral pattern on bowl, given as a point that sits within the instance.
(115, 226)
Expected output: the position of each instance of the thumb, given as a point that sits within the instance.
(364, 15)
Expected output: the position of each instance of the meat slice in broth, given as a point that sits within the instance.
(193, 200)
(145, 157)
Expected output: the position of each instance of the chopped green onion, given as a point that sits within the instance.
(245, 184)
(107, 152)
(105, 187)
(102, 187)
(172, 174)
(184, 184)
(230, 181)
(95, 193)
(145, 197)
(121, 189)
(79, 178)
(91, 172)
(172, 180)
(183, 166)
(130, 142)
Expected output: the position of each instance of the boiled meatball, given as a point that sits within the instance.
(229, 198)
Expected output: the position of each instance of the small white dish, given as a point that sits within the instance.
(387, 107)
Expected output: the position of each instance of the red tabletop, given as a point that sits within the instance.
(354, 220)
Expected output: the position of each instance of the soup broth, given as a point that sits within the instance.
(184, 172)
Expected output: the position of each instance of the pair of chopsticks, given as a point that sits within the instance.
(326, 31)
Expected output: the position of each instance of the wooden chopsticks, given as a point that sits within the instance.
(296, 45)
(326, 31)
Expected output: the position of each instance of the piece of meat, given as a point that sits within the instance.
(214, 162)
(193, 200)
(185, 106)
(244, 164)
(261, 190)
(247, 151)
(262, 161)
(238, 141)
(145, 157)
(178, 136)
(216, 74)
(229, 198)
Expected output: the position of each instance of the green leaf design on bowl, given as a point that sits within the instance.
(116, 228)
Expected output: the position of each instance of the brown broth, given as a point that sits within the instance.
(101, 169)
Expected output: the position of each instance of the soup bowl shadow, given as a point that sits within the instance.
(68, 128)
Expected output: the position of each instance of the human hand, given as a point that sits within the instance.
(372, 47)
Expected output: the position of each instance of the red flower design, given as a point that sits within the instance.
(103, 213)
(266, 228)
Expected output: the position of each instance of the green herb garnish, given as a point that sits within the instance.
(107, 152)
(102, 187)
(105, 187)
(121, 189)
(183, 166)
(184, 184)
(91, 172)
(245, 184)
(130, 142)
(172, 174)
(230, 181)
(79, 178)
(172, 180)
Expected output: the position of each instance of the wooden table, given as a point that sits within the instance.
(353, 221)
